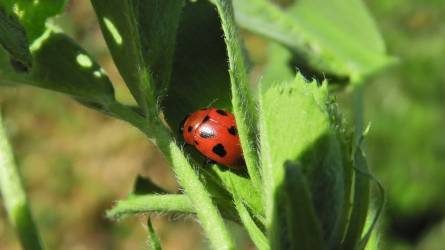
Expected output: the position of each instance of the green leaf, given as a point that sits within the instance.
(61, 65)
(14, 197)
(200, 75)
(302, 131)
(141, 36)
(13, 39)
(200, 78)
(249, 223)
(218, 182)
(320, 32)
(286, 134)
(34, 14)
(345, 138)
(360, 201)
(243, 187)
(187, 176)
(151, 203)
(295, 208)
(372, 218)
(208, 214)
(158, 22)
(149, 198)
(242, 101)
(154, 242)
(206, 210)
(257, 236)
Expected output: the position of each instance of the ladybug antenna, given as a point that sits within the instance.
(212, 102)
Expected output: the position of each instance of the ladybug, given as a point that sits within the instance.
(213, 132)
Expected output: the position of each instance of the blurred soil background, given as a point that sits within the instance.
(76, 162)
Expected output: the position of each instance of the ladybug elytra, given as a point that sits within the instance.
(213, 132)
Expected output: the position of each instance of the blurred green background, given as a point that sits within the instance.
(406, 107)
(76, 162)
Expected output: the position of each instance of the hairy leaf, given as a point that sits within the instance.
(286, 134)
(295, 125)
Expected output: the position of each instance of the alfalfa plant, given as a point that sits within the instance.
(306, 184)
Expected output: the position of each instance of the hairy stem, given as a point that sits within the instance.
(163, 203)
(243, 104)
(208, 214)
(258, 238)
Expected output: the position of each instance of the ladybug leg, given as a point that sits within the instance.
(209, 161)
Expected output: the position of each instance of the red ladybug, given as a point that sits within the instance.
(213, 132)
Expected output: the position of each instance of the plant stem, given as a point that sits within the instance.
(208, 214)
(125, 113)
(14, 197)
(258, 238)
(242, 102)
(175, 203)
(153, 241)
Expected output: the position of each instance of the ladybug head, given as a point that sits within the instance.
(190, 123)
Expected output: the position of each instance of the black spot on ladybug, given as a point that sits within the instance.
(189, 129)
(181, 126)
(196, 143)
(206, 118)
(221, 112)
(233, 131)
(206, 133)
(219, 150)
